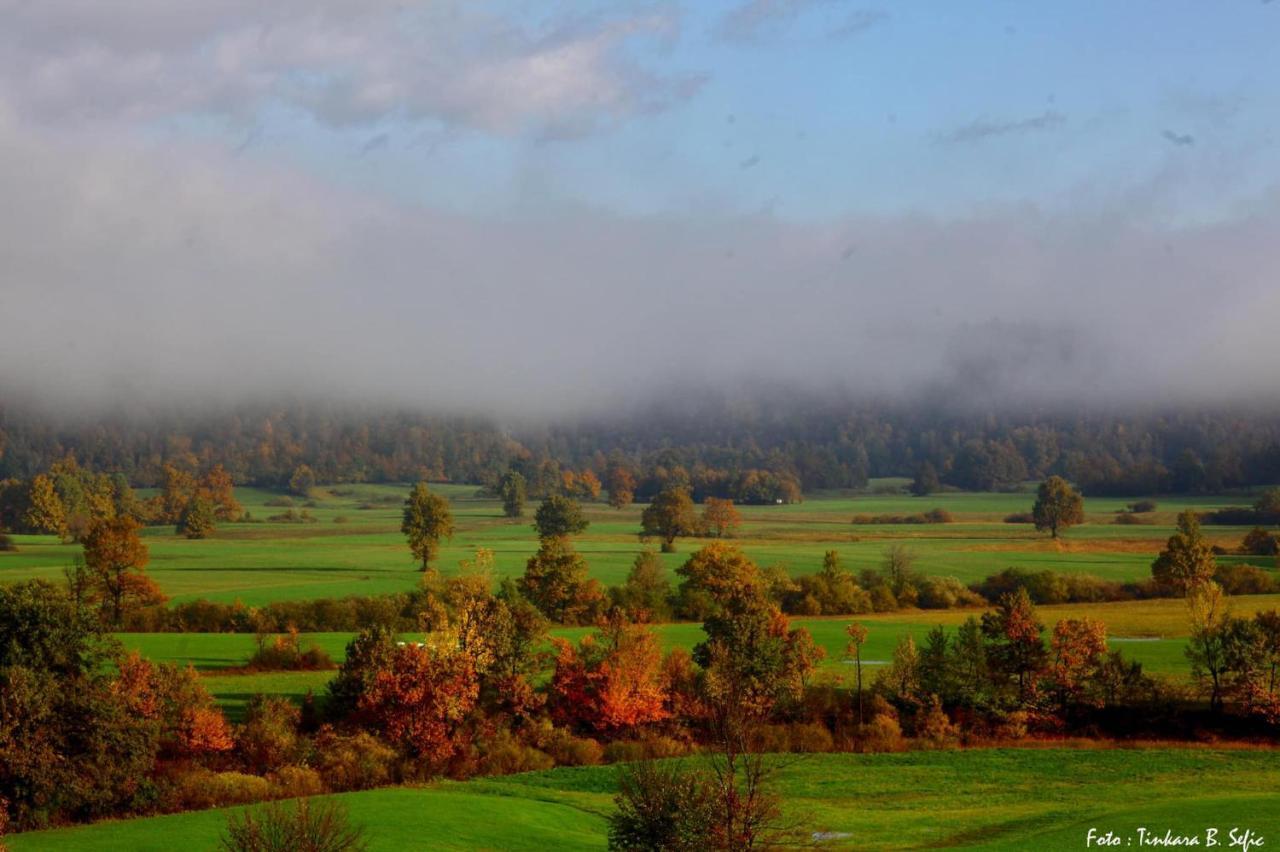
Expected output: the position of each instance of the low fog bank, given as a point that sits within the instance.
(135, 275)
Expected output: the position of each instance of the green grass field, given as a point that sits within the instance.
(991, 799)
(354, 550)
(1151, 632)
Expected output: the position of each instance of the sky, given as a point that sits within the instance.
(542, 207)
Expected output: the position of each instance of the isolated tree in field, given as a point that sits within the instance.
(558, 517)
(926, 480)
(117, 561)
(1187, 559)
(512, 489)
(302, 480)
(198, 519)
(670, 514)
(176, 489)
(621, 485)
(857, 634)
(217, 487)
(1057, 507)
(720, 518)
(427, 521)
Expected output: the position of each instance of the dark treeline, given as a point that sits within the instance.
(752, 451)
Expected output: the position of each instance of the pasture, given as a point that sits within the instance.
(354, 546)
(1151, 632)
(991, 799)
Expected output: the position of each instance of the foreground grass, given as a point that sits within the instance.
(1001, 798)
(355, 546)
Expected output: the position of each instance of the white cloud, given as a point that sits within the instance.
(344, 62)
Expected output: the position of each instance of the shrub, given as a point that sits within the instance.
(6, 543)
(934, 729)
(269, 737)
(882, 734)
(292, 782)
(1244, 580)
(653, 747)
(284, 653)
(504, 754)
(199, 789)
(293, 827)
(810, 738)
(341, 519)
(568, 750)
(279, 502)
(1129, 519)
(933, 516)
(663, 805)
(1020, 518)
(355, 762)
(1142, 507)
(946, 593)
(1259, 542)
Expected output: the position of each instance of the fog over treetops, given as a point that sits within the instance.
(502, 209)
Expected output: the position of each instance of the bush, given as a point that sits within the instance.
(1142, 507)
(1244, 580)
(341, 519)
(292, 517)
(6, 543)
(269, 738)
(882, 734)
(1020, 518)
(653, 747)
(663, 805)
(933, 516)
(504, 754)
(1129, 519)
(284, 653)
(568, 750)
(1259, 542)
(200, 789)
(279, 502)
(293, 782)
(946, 593)
(300, 826)
(356, 762)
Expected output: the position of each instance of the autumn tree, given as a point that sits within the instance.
(302, 480)
(558, 517)
(216, 487)
(117, 559)
(857, 634)
(646, 593)
(198, 519)
(720, 518)
(588, 485)
(512, 490)
(926, 480)
(176, 489)
(611, 681)
(1015, 650)
(1057, 507)
(1077, 652)
(669, 515)
(1187, 559)
(1206, 650)
(45, 511)
(555, 581)
(422, 699)
(621, 484)
(427, 520)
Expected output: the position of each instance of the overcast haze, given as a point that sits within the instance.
(533, 208)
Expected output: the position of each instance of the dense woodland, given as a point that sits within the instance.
(752, 450)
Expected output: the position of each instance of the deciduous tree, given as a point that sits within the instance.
(671, 514)
(427, 520)
(1187, 559)
(117, 559)
(1057, 507)
(558, 517)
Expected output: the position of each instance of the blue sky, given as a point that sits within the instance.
(1063, 103)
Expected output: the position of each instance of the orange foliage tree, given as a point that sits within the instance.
(422, 699)
(613, 680)
(117, 561)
